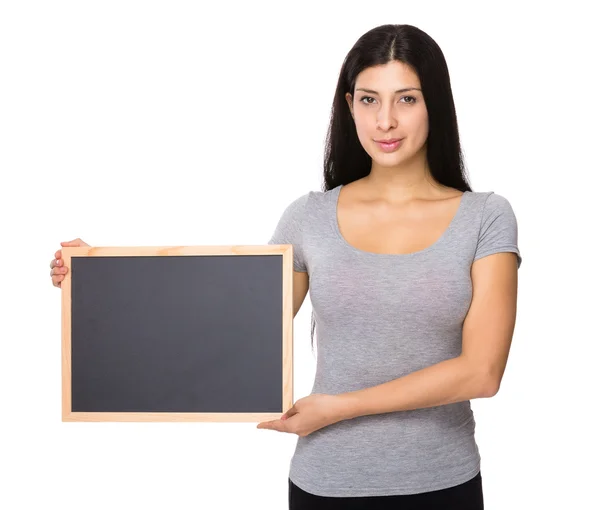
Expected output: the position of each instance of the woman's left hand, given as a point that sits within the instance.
(309, 414)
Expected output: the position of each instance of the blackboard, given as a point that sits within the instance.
(177, 333)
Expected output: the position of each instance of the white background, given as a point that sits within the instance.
(170, 123)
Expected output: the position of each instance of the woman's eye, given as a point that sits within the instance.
(367, 99)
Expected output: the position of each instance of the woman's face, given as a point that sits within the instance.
(388, 105)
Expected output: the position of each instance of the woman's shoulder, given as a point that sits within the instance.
(490, 200)
(312, 197)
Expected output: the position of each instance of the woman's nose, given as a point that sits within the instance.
(386, 119)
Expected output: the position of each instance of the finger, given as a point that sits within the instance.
(278, 425)
(57, 280)
(56, 262)
(273, 425)
(56, 271)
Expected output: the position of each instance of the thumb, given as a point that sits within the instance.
(291, 412)
(74, 242)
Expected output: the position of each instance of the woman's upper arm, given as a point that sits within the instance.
(289, 230)
(300, 289)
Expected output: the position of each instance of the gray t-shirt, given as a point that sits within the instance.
(380, 317)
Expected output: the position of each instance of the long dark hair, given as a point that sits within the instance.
(345, 158)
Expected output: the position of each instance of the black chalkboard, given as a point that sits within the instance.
(177, 333)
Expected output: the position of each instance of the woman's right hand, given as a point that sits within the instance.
(57, 268)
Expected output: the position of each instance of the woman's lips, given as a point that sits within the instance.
(389, 146)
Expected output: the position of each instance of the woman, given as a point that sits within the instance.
(413, 280)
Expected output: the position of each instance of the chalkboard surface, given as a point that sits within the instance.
(177, 333)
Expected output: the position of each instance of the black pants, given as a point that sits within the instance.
(466, 496)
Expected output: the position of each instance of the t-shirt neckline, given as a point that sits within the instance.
(436, 244)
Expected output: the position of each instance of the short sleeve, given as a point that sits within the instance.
(498, 231)
(289, 230)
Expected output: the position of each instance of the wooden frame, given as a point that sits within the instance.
(285, 250)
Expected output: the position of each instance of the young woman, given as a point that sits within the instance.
(413, 283)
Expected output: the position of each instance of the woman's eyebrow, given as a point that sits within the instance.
(397, 92)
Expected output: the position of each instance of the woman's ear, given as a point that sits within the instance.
(349, 100)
